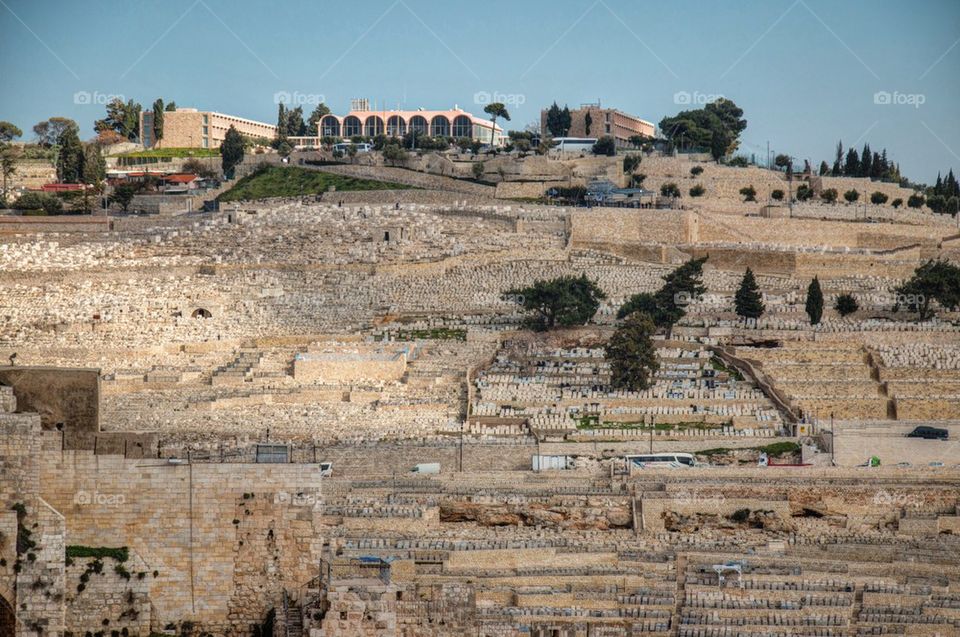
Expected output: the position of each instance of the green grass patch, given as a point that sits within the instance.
(293, 181)
(170, 153)
(121, 554)
(719, 365)
(593, 422)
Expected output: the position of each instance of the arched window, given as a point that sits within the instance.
(462, 126)
(201, 313)
(418, 125)
(329, 126)
(440, 126)
(352, 126)
(373, 126)
(396, 127)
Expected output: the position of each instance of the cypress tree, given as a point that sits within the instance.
(852, 165)
(866, 161)
(631, 353)
(838, 161)
(814, 304)
(748, 300)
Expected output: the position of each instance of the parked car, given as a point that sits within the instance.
(929, 433)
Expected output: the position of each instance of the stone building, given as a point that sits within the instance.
(591, 120)
(190, 128)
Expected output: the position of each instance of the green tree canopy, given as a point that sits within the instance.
(231, 150)
(9, 132)
(564, 301)
(632, 355)
(814, 305)
(605, 146)
(124, 118)
(935, 280)
(158, 119)
(70, 158)
(846, 304)
(716, 127)
(495, 110)
(49, 130)
(122, 195)
(748, 301)
(682, 286)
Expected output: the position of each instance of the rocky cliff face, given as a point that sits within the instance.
(599, 515)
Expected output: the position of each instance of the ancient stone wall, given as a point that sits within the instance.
(216, 529)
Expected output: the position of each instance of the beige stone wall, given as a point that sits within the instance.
(210, 543)
(310, 369)
(854, 444)
(619, 226)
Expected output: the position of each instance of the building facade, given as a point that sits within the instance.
(591, 120)
(450, 123)
(190, 128)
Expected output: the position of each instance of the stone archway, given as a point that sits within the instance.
(201, 312)
(8, 620)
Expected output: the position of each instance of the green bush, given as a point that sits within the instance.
(39, 201)
(804, 192)
(829, 195)
(878, 198)
(696, 170)
(776, 195)
(697, 191)
(749, 193)
(670, 190)
(851, 196)
(896, 203)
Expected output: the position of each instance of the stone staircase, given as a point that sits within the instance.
(240, 370)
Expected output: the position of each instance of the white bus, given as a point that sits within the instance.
(362, 147)
(574, 145)
(669, 459)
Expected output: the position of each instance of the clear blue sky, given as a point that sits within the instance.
(805, 71)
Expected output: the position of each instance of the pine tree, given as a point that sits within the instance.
(814, 306)
(748, 301)
(824, 169)
(838, 161)
(631, 353)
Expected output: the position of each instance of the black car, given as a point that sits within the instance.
(929, 433)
